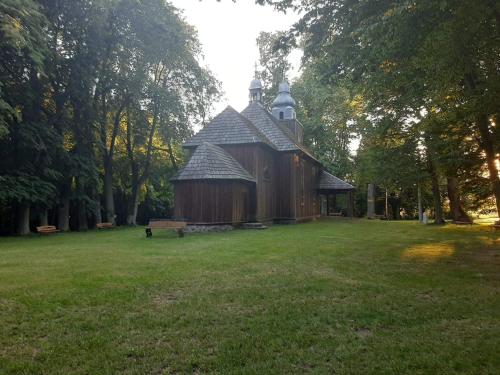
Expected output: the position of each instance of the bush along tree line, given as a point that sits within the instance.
(95, 98)
(418, 84)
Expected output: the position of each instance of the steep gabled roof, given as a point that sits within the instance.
(228, 127)
(281, 137)
(330, 182)
(265, 122)
(210, 162)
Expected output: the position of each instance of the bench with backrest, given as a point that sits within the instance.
(104, 225)
(47, 229)
(456, 222)
(177, 226)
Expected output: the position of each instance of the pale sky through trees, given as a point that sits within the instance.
(228, 33)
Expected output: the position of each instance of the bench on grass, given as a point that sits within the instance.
(335, 214)
(177, 226)
(104, 225)
(496, 226)
(462, 222)
(47, 229)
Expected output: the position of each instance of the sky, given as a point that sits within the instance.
(228, 33)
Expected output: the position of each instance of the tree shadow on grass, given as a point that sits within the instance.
(476, 248)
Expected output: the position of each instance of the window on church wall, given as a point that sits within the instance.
(282, 115)
(267, 174)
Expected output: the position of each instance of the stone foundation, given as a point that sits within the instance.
(207, 228)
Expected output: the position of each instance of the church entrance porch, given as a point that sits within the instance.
(337, 203)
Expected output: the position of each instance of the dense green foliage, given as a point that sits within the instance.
(288, 300)
(425, 78)
(95, 98)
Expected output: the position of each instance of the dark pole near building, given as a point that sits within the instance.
(420, 208)
(371, 201)
(350, 204)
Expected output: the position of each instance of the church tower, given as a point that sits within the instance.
(283, 107)
(255, 90)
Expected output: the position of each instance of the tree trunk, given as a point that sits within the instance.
(82, 216)
(386, 204)
(371, 201)
(133, 207)
(97, 210)
(436, 193)
(456, 208)
(489, 149)
(63, 214)
(23, 224)
(109, 203)
(44, 218)
(420, 207)
(486, 141)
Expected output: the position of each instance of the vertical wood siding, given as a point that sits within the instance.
(285, 189)
(216, 202)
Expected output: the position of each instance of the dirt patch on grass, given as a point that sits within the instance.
(363, 332)
(168, 298)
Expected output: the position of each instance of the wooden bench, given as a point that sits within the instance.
(47, 229)
(495, 226)
(177, 226)
(335, 214)
(104, 225)
(463, 222)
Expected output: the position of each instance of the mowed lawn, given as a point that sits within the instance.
(330, 297)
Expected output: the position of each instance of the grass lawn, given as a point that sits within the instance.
(330, 297)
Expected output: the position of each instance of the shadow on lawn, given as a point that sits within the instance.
(481, 248)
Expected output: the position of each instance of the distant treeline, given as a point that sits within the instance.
(95, 98)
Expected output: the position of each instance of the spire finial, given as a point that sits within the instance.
(256, 72)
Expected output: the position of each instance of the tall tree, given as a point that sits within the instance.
(274, 64)
(407, 58)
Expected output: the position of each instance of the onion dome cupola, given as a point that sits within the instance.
(283, 107)
(255, 90)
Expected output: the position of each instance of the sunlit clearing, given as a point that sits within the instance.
(429, 252)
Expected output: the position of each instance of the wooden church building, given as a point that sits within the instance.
(253, 167)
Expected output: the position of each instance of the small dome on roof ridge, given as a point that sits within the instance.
(284, 98)
(284, 87)
(255, 84)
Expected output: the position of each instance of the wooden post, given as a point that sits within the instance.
(371, 201)
(350, 204)
(327, 204)
(420, 208)
(386, 204)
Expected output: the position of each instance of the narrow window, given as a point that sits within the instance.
(267, 174)
(282, 115)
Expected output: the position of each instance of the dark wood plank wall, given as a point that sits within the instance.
(287, 191)
(211, 202)
(255, 159)
(266, 184)
(285, 186)
(307, 182)
(246, 155)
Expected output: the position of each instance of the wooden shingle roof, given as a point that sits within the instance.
(281, 138)
(228, 127)
(265, 122)
(210, 162)
(330, 182)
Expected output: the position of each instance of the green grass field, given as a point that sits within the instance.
(330, 297)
